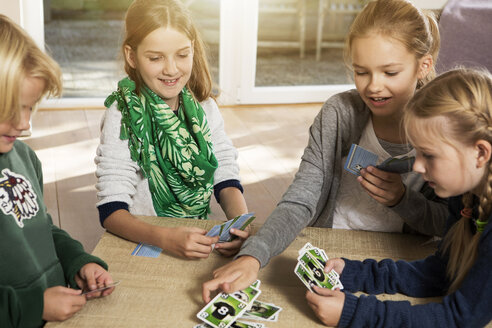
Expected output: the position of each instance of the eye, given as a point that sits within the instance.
(391, 73)
(155, 58)
(184, 55)
(360, 73)
(427, 156)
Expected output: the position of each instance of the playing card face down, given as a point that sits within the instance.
(223, 230)
(358, 159)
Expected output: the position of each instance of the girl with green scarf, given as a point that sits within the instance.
(163, 148)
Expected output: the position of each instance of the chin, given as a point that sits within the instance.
(445, 193)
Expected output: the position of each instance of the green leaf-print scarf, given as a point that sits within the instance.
(174, 152)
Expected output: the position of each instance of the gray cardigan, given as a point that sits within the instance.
(310, 199)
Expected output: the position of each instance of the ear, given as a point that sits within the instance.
(130, 56)
(425, 66)
(484, 152)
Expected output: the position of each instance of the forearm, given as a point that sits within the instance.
(124, 224)
(424, 215)
(232, 202)
(277, 233)
(71, 254)
(423, 278)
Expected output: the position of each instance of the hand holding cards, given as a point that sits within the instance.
(223, 230)
(360, 158)
(310, 269)
(116, 283)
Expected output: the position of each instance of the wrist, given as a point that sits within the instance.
(159, 236)
(250, 261)
(399, 198)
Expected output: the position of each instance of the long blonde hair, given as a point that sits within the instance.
(145, 16)
(464, 98)
(402, 21)
(20, 57)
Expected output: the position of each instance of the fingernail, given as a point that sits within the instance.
(232, 230)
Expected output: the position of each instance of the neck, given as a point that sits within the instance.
(389, 129)
(173, 103)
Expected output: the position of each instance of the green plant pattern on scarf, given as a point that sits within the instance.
(174, 152)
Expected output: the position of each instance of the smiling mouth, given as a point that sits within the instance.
(168, 81)
(379, 99)
(10, 137)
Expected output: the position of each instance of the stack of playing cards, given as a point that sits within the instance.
(223, 230)
(310, 269)
(237, 309)
(360, 158)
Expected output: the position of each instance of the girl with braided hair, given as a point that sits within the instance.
(449, 122)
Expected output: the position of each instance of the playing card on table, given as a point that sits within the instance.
(146, 250)
(247, 295)
(244, 324)
(359, 158)
(262, 311)
(236, 324)
(256, 284)
(222, 311)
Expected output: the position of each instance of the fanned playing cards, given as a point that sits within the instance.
(223, 230)
(310, 269)
(360, 158)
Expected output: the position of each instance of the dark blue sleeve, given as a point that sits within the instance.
(423, 278)
(469, 306)
(107, 209)
(226, 184)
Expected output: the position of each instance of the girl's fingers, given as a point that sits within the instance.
(323, 291)
(206, 240)
(240, 233)
(197, 255)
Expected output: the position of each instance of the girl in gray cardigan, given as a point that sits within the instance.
(392, 47)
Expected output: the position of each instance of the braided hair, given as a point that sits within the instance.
(464, 98)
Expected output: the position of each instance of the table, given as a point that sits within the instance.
(166, 291)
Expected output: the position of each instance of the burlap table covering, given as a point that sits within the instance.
(166, 291)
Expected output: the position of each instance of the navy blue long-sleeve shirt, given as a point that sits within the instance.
(469, 306)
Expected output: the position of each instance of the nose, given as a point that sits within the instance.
(24, 120)
(418, 165)
(170, 68)
(375, 84)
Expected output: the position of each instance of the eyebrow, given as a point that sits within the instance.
(382, 66)
(160, 52)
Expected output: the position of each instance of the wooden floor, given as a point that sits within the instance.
(270, 141)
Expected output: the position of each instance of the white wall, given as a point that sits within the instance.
(28, 14)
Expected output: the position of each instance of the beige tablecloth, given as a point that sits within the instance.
(166, 291)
